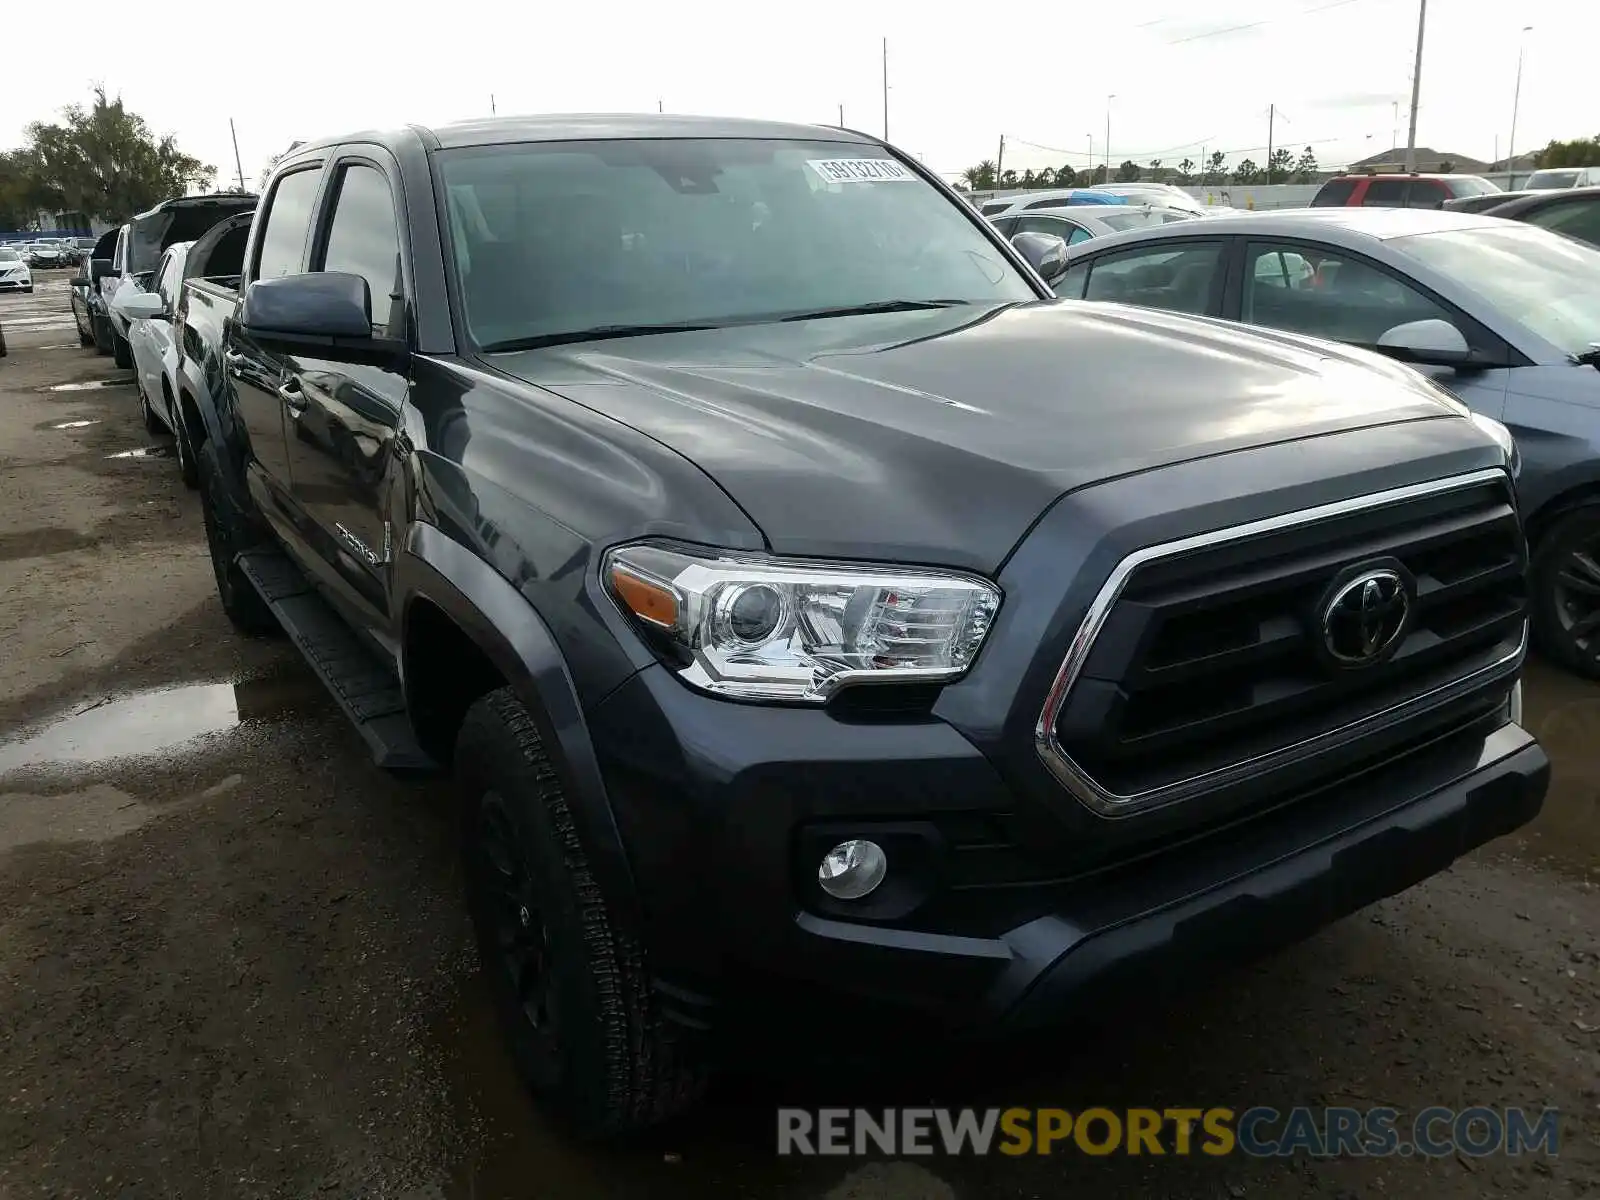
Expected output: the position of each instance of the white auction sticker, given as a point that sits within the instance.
(860, 170)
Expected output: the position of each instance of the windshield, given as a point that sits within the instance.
(559, 237)
(1544, 180)
(1548, 282)
(1139, 218)
(9, 255)
(1470, 185)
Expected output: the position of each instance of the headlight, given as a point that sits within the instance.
(788, 629)
(1502, 435)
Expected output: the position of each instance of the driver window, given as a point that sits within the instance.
(1330, 295)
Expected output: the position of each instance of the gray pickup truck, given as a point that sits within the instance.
(814, 608)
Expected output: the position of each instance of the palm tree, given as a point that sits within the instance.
(981, 177)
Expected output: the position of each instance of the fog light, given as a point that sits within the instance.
(1516, 703)
(852, 869)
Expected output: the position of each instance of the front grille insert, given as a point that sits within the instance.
(1200, 663)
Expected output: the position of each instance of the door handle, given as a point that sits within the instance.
(293, 398)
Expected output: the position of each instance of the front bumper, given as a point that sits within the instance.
(724, 807)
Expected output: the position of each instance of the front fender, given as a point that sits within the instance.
(501, 622)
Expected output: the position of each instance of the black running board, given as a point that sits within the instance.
(365, 688)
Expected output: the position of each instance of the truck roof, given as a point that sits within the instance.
(564, 127)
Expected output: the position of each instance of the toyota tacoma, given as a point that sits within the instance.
(810, 604)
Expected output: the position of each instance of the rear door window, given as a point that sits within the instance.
(1386, 193)
(1334, 194)
(1178, 277)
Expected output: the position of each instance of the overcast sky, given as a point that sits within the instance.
(1186, 76)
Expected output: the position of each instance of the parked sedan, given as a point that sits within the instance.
(15, 274)
(1482, 202)
(1573, 211)
(150, 339)
(1080, 223)
(1506, 317)
(47, 254)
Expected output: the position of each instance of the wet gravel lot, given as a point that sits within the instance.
(233, 959)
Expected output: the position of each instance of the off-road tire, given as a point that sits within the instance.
(608, 1063)
(229, 530)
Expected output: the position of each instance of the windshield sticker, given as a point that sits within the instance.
(860, 170)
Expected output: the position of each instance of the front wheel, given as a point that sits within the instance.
(188, 466)
(1566, 591)
(566, 972)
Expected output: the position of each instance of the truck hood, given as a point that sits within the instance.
(940, 436)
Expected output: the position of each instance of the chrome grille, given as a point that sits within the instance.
(1199, 664)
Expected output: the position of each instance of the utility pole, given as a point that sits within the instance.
(661, 106)
(886, 89)
(1516, 99)
(841, 116)
(1272, 115)
(493, 111)
(1000, 161)
(1416, 87)
(1394, 129)
(237, 165)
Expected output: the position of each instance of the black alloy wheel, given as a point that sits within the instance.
(1566, 591)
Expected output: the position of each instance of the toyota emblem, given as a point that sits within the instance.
(1364, 619)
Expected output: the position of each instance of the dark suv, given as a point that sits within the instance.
(820, 617)
(1398, 191)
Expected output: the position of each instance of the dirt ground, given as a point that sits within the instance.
(234, 961)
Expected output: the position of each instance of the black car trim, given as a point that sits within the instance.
(501, 622)
(1112, 804)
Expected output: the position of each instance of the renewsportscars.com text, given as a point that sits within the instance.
(1259, 1132)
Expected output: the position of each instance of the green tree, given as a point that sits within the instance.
(105, 162)
(1026, 180)
(1216, 171)
(979, 178)
(1580, 152)
(1447, 166)
(1155, 169)
(1008, 179)
(1098, 175)
(1186, 171)
(1128, 172)
(1066, 176)
(1280, 167)
(1305, 171)
(1247, 172)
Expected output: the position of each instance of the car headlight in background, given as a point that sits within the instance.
(1502, 435)
(788, 629)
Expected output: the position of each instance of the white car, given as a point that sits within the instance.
(151, 341)
(1552, 178)
(15, 274)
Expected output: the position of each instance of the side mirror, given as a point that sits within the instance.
(78, 281)
(139, 306)
(1433, 342)
(326, 312)
(1046, 253)
(100, 268)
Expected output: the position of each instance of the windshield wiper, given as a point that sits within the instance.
(875, 306)
(596, 334)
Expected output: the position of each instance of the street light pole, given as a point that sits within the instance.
(1416, 86)
(1516, 99)
(886, 89)
(1109, 99)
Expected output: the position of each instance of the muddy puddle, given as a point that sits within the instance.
(143, 452)
(88, 385)
(148, 723)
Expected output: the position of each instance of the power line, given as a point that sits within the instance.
(1211, 33)
(1203, 143)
